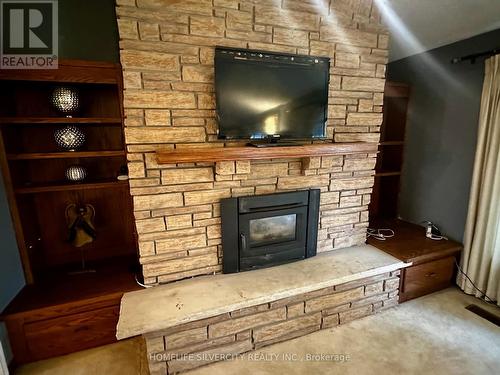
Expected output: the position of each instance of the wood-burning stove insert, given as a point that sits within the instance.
(267, 230)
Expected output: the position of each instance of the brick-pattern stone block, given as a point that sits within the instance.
(148, 202)
(208, 196)
(330, 321)
(179, 221)
(150, 225)
(206, 26)
(240, 324)
(178, 265)
(186, 175)
(158, 99)
(333, 299)
(249, 310)
(353, 314)
(374, 288)
(187, 337)
(364, 119)
(301, 182)
(243, 167)
(209, 356)
(149, 60)
(391, 284)
(225, 168)
(282, 329)
(295, 310)
(128, 29)
(181, 243)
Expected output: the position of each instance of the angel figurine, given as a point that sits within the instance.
(81, 228)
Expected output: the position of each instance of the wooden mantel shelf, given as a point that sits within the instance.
(217, 154)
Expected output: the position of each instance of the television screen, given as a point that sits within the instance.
(263, 95)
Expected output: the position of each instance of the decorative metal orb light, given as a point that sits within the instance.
(76, 173)
(65, 100)
(69, 138)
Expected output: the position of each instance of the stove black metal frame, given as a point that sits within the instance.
(236, 214)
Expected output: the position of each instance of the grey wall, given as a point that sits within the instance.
(11, 272)
(441, 132)
(88, 30)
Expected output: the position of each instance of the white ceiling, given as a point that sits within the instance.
(420, 25)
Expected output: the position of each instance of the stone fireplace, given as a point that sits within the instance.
(182, 176)
(167, 53)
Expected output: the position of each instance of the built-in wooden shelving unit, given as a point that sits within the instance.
(59, 312)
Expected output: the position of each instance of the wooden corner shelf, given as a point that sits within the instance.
(217, 154)
(391, 143)
(69, 71)
(47, 188)
(387, 173)
(60, 120)
(384, 200)
(65, 155)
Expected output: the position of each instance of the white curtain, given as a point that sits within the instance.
(481, 256)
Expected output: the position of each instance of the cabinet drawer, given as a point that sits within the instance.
(67, 334)
(428, 277)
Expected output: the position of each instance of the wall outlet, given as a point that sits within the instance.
(428, 232)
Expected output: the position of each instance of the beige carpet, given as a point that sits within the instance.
(429, 335)
(123, 358)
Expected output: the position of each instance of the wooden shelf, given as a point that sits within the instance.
(60, 120)
(64, 313)
(387, 173)
(71, 71)
(47, 188)
(432, 262)
(215, 154)
(65, 155)
(391, 143)
(396, 90)
(57, 287)
(409, 243)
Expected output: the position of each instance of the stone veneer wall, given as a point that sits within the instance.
(200, 342)
(167, 51)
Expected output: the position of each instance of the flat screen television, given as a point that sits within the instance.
(268, 96)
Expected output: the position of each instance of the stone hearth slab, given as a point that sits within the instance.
(169, 305)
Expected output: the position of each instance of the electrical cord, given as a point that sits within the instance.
(141, 284)
(433, 236)
(379, 234)
(486, 298)
(438, 237)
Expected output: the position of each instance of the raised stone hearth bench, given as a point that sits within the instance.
(194, 322)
